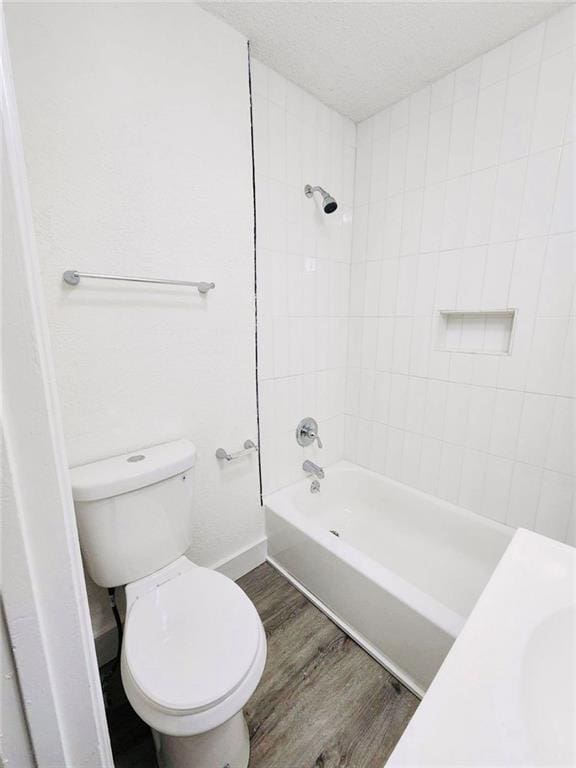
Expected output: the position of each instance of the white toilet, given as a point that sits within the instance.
(194, 647)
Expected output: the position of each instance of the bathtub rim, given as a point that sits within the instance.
(448, 620)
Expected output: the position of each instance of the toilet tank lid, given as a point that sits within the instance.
(130, 471)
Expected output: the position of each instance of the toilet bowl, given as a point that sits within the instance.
(193, 653)
(194, 647)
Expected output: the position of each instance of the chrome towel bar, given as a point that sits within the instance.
(249, 447)
(72, 277)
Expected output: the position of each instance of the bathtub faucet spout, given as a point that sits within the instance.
(313, 469)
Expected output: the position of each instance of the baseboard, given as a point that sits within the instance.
(389, 665)
(243, 561)
(234, 567)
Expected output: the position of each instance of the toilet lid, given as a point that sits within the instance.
(191, 641)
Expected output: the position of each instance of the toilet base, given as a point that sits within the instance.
(227, 746)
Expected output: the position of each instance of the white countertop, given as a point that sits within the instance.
(506, 693)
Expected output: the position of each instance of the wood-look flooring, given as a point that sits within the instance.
(323, 702)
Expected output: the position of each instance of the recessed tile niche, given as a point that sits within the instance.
(488, 333)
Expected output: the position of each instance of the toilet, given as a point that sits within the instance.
(194, 647)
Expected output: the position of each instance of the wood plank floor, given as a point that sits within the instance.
(322, 702)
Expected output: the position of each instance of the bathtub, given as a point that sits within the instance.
(397, 569)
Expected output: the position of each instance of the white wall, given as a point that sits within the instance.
(303, 271)
(464, 199)
(137, 138)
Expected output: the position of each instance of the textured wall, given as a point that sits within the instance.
(137, 138)
(303, 271)
(464, 200)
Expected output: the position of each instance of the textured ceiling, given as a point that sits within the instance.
(360, 57)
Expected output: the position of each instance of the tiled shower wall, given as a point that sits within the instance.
(464, 201)
(303, 271)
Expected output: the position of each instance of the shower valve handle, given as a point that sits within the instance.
(307, 432)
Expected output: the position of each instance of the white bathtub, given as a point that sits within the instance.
(404, 572)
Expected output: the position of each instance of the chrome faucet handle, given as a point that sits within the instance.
(307, 432)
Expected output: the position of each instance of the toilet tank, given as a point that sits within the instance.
(134, 511)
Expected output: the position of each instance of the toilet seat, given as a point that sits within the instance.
(194, 649)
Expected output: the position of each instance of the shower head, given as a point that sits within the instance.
(328, 203)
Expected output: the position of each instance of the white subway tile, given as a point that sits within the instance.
(558, 277)
(388, 286)
(364, 442)
(561, 451)
(369, 342)
(467, 79)
(567, 383)
(411, 221)
(497, 276)
(456, 212)
(367, 394)
(508, 201)
(449, 266)
(399, 115)
(457, 406)
(407, 280)
(392, 227)
(534, 433)
(554, 90)
(482, 191)
(420, 346)
(411, 454)
(497, 483)
(376, 231)
(473, 480)
(381, 120)
(442, 93)
(472, 269)
(436, 396)
(556, 499)
(462, 137)
(415, 403)
(429, 469)
(432, 217)
(379, 173)
(538, 202)
(394, 451)
(489, 121)
(480, 415)
(397, 161)
(546, 355)
(372, 288)
(401, 344)
(365, 132)
(495, 65)
(426, 284)
(385, 344)
(438, 145)
(363, 174)
(381, 396)
(524, 496)
(518, 114)
(527, 48)
(450, 472)
(564, 215)
(379, 448)
(505, 425)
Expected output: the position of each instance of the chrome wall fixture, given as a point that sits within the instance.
(249, 447)
(329, 205)
(72, 277)
(307, 432)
